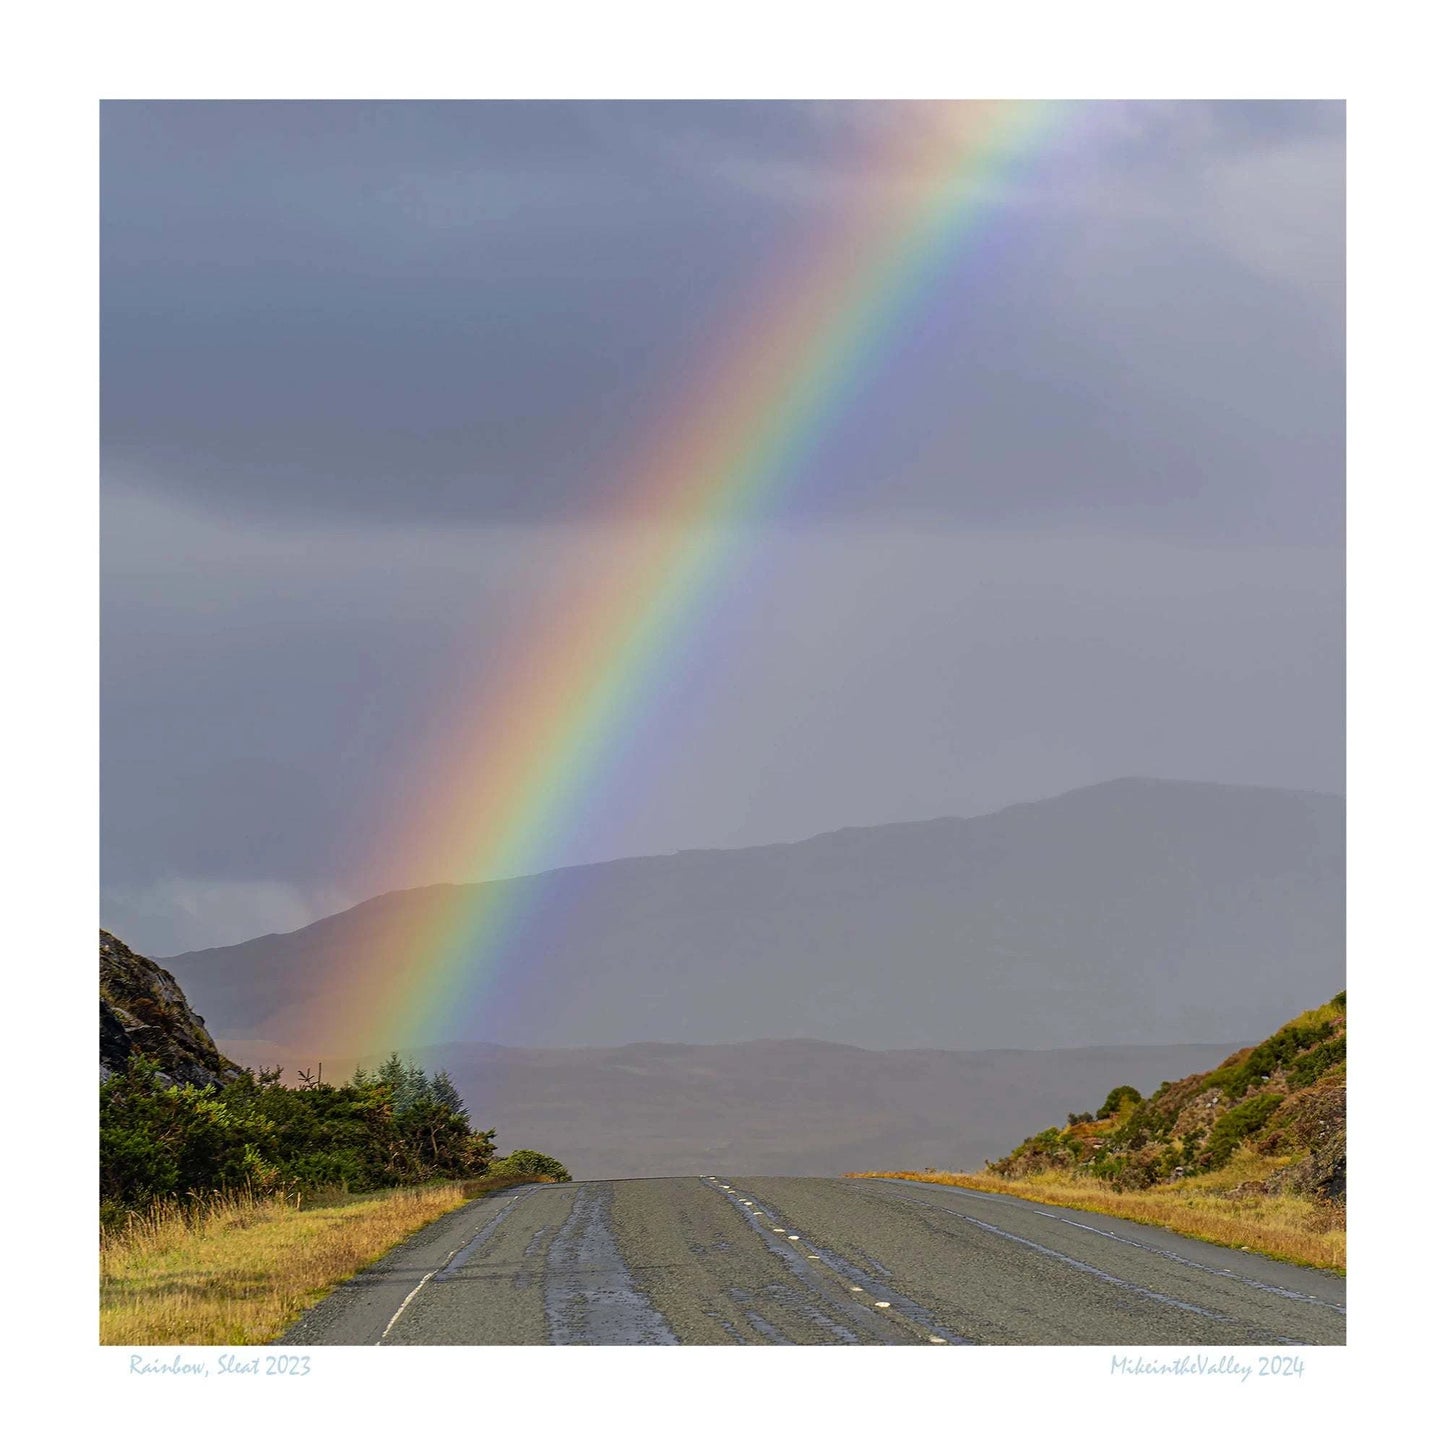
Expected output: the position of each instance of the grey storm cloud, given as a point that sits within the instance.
(371, 374)
(471, 311)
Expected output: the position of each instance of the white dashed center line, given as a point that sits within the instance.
(882, 1304)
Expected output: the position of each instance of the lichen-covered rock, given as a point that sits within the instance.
(1316, 1122)
(143, 1011)
(1323, 1173)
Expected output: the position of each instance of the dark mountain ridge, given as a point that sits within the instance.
(1130, 912)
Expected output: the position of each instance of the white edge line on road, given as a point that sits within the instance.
(1218, 1270)
(404, 1304)
(495, 1219)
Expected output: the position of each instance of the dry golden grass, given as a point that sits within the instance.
(1279, 1226)
(240, 1271)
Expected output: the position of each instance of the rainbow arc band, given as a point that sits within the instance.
(523, 758)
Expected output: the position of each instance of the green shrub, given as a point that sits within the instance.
(1231, 1129)
(1274, 1053)
(1189, 1147)
(1124, 1094)
(528, 1161)
(395, 1126)
(159, 1140)
(1317, 1061)
(1108, 1168)
(1141, 1125)
(1139, 1172)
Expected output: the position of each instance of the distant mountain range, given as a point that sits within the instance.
(796, 1106)
(1132, 912)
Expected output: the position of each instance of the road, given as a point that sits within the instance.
(812, 1261)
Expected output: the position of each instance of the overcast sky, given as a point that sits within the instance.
(371, 373)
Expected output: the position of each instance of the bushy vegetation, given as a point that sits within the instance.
(1260, 1065)
(1197, 1126)
(529, 1162)
(394, 1125)
(1250, 1154)
(1315, 1064)
(1235, 1126)
(1124, 1094)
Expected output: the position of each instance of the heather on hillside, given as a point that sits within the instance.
(1249, 1154)
(1282, 1102)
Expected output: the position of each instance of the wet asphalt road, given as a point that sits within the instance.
(813, 1261)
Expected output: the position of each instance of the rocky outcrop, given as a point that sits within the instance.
(1284, 1099)
(1316, 1120)
(143, 1011)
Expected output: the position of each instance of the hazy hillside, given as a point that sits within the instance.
(1131, 912)
(793, 1107)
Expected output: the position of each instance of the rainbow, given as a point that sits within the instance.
(522, 759)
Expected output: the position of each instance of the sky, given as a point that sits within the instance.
(373, 374)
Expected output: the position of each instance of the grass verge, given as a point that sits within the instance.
(241, 1269)
(1281, 1227)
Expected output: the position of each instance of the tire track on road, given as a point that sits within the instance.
(814, 1263)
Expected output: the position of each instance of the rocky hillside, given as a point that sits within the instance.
(1273, 1114)
(143, 1011)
